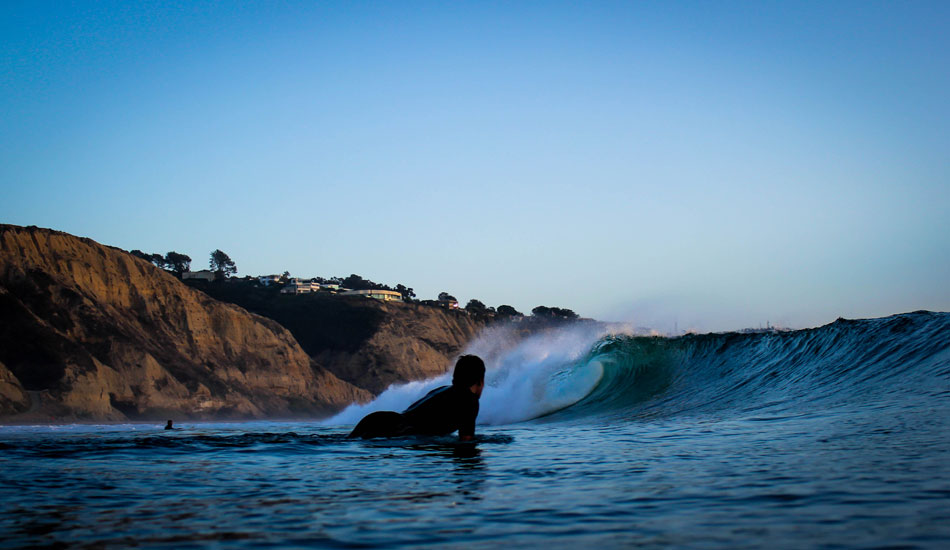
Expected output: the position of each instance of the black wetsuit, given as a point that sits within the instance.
(441, 412)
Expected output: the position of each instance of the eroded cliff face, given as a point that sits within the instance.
(91, 332)
(368, 343)
(411, 342)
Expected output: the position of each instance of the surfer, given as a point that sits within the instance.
(169, 426)
(441, 412)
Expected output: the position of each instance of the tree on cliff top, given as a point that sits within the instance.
(479, 310)
(407, 293)
(178, 263)
(508, 311)
(156, 259)
(545, 312)
(222, 264)
(476, 306)
(172, 261)
(355, 282)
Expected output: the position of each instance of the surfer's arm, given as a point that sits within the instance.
(467, 426)
(467, 435)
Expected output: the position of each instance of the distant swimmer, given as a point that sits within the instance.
(441, 412)
(169, 426)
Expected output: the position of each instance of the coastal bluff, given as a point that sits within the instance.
(90, 332)
(368, 343)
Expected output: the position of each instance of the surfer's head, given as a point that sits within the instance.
(469, 371)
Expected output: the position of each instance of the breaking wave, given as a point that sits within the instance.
(586, 373)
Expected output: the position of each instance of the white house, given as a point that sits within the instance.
(384, 295)
(298, 286)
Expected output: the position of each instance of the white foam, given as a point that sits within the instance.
(525, 377)
(539, 375)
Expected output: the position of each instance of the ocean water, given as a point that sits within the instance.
(836, 437)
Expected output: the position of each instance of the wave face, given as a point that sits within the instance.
(875, 361)
(583, 373)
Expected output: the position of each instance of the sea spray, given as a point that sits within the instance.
(537, 375)
(395, 398)
(526, 376)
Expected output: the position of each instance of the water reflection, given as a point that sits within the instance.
(469, 472)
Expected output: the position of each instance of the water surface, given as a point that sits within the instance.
(831, 438)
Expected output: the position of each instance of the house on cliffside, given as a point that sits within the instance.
(203, 275)
(299, 286)
(384, 295)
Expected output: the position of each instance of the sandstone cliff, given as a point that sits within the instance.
(412, 342)
(91, 332)
(365, 342)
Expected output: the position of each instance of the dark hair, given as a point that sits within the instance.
(469, 370)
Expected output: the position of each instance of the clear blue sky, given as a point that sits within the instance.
(713, 164)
